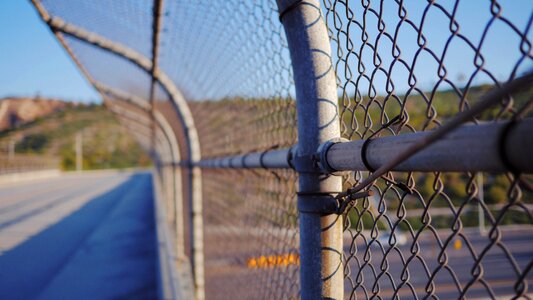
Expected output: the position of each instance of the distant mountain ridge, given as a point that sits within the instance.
(16, 111)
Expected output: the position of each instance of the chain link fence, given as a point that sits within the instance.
(264, 106)
(423, 63)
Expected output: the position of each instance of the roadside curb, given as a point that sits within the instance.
(11, 178)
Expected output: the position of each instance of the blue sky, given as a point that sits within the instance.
(500, 47)
(32, 61)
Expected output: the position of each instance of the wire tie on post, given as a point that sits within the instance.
(323, 202)
(350, 198)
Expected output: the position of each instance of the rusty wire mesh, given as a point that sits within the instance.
(425, 62)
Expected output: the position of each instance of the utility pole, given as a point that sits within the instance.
(11, 149)
(79, 152)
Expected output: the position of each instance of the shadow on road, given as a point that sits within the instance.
(106, 249)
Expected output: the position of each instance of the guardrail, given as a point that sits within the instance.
(27, 163)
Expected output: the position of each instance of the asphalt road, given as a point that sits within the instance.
(500, 264)
(229, 248)
(78, 236)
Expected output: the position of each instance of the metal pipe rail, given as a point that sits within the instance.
(274, 159)
(157, 21)
(59, 25)
(184, 115)
(470, 148)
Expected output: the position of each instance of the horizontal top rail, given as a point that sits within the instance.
(470, 148)
(273, 159)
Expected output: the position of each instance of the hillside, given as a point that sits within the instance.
(16, 111)
(52, 133)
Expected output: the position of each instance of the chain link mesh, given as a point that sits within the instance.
(422, 62)
(425, 62)
(251, 234)
(114, 71)
(123, 21)
(231, 59)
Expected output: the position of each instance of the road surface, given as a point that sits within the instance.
(230, 276)
(78, 236)
(91, 236)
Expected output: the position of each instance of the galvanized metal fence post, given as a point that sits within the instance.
(321, 272)
(197, 243)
